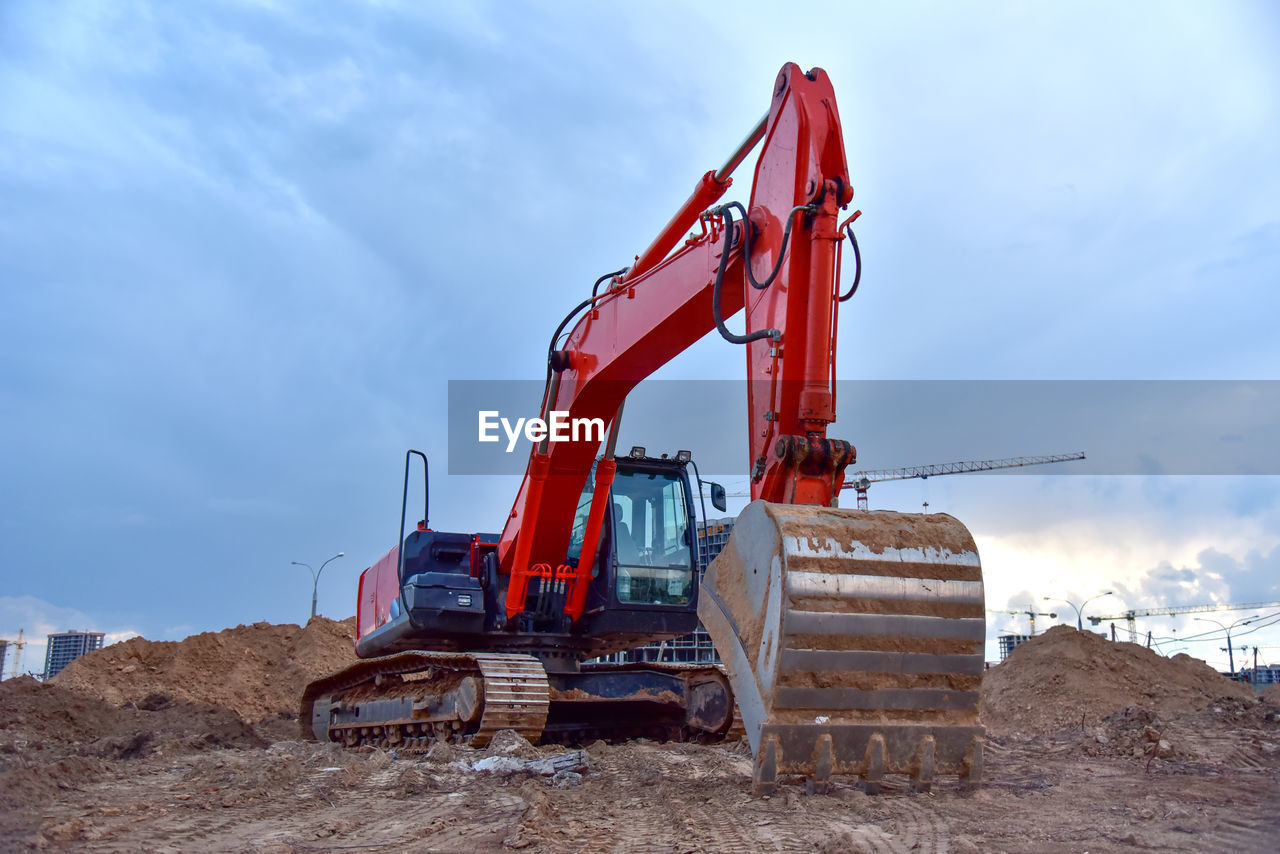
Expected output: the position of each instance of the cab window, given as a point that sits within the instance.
(651, 538)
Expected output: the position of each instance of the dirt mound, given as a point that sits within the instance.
(1271, 694)
(53, 739)
(1064, 677)
(46, 711)
(257, 671)
(36, 717)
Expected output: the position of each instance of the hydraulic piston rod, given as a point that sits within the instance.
(710, 188)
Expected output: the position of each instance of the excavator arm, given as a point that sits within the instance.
(779, 262)
(853, 640)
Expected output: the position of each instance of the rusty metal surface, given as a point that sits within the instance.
(854, 642)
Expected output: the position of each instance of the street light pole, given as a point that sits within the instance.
(1243, 621)
(315, 577)
(1079, 611)
(1079, 623)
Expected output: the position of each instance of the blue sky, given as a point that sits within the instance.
(244, 246)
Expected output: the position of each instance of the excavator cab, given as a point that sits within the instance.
(643, 581)
(650, 535)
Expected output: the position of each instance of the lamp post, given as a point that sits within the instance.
(1243, 621)
(1079, 611)
(315, 576)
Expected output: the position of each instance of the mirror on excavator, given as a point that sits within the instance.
(718, 497)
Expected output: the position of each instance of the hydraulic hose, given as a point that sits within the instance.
(570, 316)
(857, 263)
(601, 280)
(719, 284)
(746, 246)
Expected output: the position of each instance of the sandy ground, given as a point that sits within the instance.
(1189, 771)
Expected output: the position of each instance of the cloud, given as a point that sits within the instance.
(1073, 538)
(37, 619)
(246, 246)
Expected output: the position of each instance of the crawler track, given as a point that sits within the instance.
(412, 699)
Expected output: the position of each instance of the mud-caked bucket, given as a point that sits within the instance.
(854, 642)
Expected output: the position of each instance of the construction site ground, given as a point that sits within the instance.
(192, 746)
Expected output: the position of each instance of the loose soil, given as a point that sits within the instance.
(257, 671)
(1064, 678)
(1170, 757)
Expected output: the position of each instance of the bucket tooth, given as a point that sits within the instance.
(823, 761)
(971, 769)
(875, 763)
(922, 774)
(766, 773)
(854, 641)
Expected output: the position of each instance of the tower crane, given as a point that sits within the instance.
(862, 480)
(1029, 613)
(17, 653)
(1131, 615)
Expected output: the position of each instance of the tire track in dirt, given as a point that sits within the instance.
(704, 820)
(444, 825)
(319, 811)
(919, 828)
(1252, 824)
(1249, 832)
(1246, 758)
(752, 828)
(867, 838)
(709, 826)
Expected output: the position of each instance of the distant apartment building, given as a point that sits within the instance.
(1008, 643)
(1262, 675)
(66, 647)
(696, 647)
(4, 652)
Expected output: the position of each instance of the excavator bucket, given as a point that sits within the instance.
(854, 643)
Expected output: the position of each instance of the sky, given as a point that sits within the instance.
(244, 247)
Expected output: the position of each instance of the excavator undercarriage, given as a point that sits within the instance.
(410, 700)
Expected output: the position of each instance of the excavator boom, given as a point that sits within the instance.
(778, 260)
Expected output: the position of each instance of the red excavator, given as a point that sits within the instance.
(852, 640)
